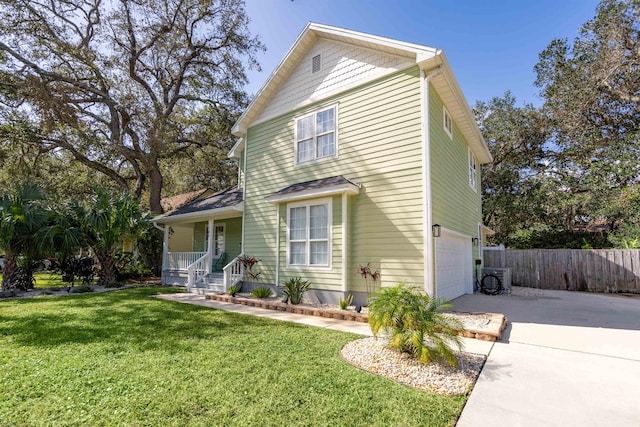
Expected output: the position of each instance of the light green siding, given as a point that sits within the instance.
(200, 236)
(233, 237)
(456, 205)
(379, 146)
(181, 238)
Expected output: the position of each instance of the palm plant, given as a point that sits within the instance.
(62, 238)
(21, 215)
(415, 324)
(105, 223)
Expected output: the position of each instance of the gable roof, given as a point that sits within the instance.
(315, 188)
(174, 202)
(428, 58)
(228, 200)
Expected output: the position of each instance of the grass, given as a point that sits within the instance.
(122, 358)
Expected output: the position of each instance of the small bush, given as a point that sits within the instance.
(295, 288)
(344, 304)
(82, 289)
(415, 324)
(261, 292)
(234, 289)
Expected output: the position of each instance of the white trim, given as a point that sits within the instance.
(307, 204)
(238, 146)
(344, 242)
(347, 188)
(471, 156)
(165, 253)
(204, 214)
(210, 250)
(244, 195)
(278, 245)
(446, 114)
(427, 211)
(313, 113)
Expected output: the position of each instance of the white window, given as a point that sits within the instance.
(472, 170)
(309, 231)
(447, 122)
(316, 135)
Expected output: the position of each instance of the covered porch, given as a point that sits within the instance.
(203, 241)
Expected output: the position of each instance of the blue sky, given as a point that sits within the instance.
(492, 45)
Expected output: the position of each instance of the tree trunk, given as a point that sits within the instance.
(107, 276)
(8, 275)
(155, 188)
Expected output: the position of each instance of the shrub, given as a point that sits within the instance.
(415, 324)
(82, 289)
(234, 289)
(129, 267)
(248, 262)
(345, 303)
(295, 288)
(261, 292)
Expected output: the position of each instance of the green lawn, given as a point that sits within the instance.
(123, 358)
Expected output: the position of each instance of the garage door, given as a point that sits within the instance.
(453, 266)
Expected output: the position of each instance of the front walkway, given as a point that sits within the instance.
(566, 359)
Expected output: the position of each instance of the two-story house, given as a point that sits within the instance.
(358, 149)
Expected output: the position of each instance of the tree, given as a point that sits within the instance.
(120, 85)
(513, 185)
(21, 216)
(105, 222)
(592, 95)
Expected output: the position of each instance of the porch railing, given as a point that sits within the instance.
(182, 260)
(197, 270)
(233, 272)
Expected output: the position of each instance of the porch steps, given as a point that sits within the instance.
(212, 282)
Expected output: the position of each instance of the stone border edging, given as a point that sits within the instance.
(491, 332)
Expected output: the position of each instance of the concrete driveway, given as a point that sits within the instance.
(566, 359)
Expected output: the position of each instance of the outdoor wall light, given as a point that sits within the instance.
(475, 241)
(435, 229)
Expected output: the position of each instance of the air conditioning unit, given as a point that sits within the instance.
(504, 274)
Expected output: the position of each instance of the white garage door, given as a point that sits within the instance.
(453, 266)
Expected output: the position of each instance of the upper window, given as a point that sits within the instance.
(447, 122)
(309, 234)
(316, 135)
(472, 170)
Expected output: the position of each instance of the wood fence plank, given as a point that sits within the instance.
(571, 269)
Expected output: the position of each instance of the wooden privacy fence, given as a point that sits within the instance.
(595, 270)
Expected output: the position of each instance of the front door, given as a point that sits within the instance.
(218, 240)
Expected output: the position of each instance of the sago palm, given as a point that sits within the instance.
(105, 222)
(21, 215)
(415, 324)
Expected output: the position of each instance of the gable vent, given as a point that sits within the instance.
(315, 64)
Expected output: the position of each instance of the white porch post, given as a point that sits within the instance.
(165, 251)
(210, 245)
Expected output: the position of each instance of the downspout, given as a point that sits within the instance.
(165, 249)
(277, 245)
(427, 211)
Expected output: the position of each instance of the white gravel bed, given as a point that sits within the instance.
(374, 356)
(473, 321)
